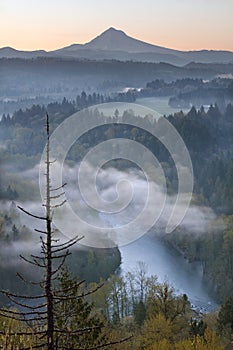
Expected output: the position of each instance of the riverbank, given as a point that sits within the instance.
(211, 287)
(212, 250)
(169, 265)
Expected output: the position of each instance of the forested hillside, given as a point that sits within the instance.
(149, 306)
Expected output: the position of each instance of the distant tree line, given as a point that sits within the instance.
(187, 92)
(207, 134)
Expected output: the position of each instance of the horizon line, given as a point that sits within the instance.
(119, 30)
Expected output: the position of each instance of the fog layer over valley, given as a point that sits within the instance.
(134, 192)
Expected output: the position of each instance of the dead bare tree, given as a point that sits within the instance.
(40, 317)
(37, 311)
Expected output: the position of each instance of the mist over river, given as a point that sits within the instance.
(168, 264)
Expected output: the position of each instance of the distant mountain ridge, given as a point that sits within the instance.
(115, 44)
(9, 52)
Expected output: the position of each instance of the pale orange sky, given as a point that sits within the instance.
(179, 24)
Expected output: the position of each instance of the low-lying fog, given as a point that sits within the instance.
(120, 195)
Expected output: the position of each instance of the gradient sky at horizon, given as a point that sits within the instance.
(178, 24)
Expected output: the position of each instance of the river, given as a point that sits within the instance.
(162, 260)
(167, 264)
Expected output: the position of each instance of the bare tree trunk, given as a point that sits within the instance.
(48, 287)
